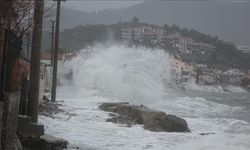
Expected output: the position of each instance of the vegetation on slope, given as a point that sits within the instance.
(223, 57)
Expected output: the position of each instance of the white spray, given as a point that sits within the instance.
(122, 73)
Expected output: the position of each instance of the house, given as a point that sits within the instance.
(127, 35)
(47, 69)
(150, 34)
(231, 76)
(207, 79)
(156, 35)
(181, 72)
(171, 40)
(244, 49)
(192, 47)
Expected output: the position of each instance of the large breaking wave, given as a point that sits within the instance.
(140, 75)
(133, 74)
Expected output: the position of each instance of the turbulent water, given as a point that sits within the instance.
(140, 76)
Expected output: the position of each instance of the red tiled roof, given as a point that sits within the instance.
(67, 56)
(47, 56)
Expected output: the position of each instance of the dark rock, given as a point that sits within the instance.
(104, 106)
(121, 120)
(52, 143)
(26, 127)
(159, 121)
(132, 112)
(111, 109)
(48, 108)
(113, 115)
(45, 142)
(45, 98)
(1, 123)
(136, 114)
(153, 120)
(172, 123)
(208, 133)
(124, 110)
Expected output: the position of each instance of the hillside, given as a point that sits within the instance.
(224, 56)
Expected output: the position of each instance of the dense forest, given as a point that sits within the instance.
(223, 57)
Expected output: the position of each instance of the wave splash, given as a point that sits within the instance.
(139, 75)
(134, 74)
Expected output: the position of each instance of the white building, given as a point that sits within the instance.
(181, 72)
(47, 69)
(244, 49)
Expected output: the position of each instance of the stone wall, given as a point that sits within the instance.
(1, 122)
(1, 50)
(10, 114)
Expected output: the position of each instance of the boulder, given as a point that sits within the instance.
(131, 111)
(153, 120)
(27, 128)
(124, 110)
(159, 121)
(121, 120)
(44, 142)
(49, 142)
(172, 123)
(136, 114)
(111, 109)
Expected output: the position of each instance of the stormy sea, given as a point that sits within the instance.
(218, 120)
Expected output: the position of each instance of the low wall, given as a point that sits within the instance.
(10, 115)
(1, 122)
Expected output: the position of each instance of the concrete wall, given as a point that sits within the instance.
(10, 114)
(41, 90)
(1, 123)
(1, 50)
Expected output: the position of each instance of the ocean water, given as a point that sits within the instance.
(114, 73)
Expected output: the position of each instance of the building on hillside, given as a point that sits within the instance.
(207, 78)
(142, 34)
(248, 74)
(205, 75)
(231, 76)
(200, 48)
(47, 69)
(181, 72)
(186, 45)
(127, 35)
(156, 35)
(244, 49)
(172, 40)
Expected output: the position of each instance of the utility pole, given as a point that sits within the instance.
(54, 79)
(28, 45)
(52, 41)
(35, 61)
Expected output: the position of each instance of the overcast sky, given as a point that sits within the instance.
(96, 5)
(90, 6)
(228, 19)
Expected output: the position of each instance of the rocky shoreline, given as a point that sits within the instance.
(152, 120)
(119, 112)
